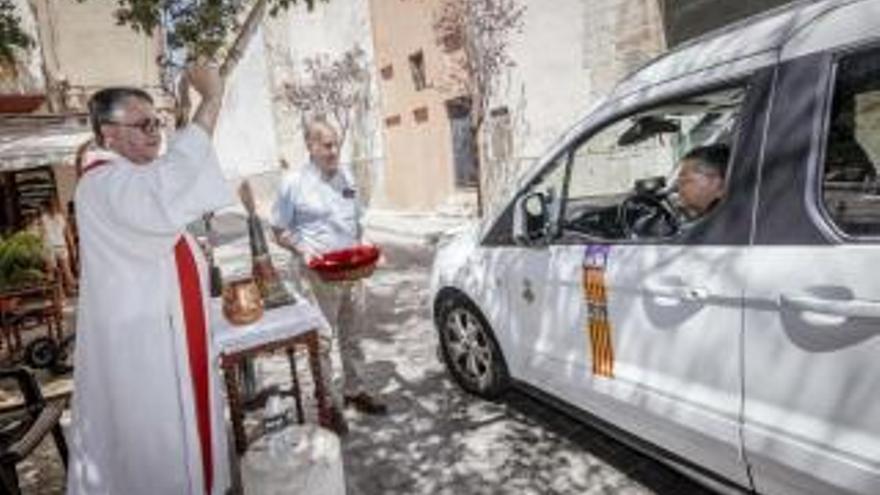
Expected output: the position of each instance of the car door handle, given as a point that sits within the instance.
(685, 293)
(852, 308)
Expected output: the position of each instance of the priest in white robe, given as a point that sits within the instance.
(147, 408)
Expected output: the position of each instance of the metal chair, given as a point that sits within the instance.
(37, 307)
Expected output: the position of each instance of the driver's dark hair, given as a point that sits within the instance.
(713, 157)
(104, 103)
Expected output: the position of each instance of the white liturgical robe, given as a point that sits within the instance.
(147, 404)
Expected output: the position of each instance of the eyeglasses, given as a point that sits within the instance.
(147, 126)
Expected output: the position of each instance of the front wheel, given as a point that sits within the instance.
(469, 349)
(64, 363)
(41, 353)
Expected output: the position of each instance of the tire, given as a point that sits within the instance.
(41, 353)
(64, 363)
(469, 349)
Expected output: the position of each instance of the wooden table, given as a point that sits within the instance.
(281, 328)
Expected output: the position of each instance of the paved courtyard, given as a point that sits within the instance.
(438, 440)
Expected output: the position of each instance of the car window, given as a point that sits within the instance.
(549, 184)
(851, 191)
(623, 180)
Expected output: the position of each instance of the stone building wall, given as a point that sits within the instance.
(687, 19)
(567, 58)
(331, 29)
(26, 76)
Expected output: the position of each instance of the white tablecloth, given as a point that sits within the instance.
(275, 324)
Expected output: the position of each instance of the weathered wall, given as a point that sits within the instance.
(686, 19)
(245, 135)
(83, 45)
(419, 170)
(27, 75)
(330, 29)
(567, 58)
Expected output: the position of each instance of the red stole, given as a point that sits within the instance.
(197, 347)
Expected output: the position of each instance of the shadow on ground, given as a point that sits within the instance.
(438, 440)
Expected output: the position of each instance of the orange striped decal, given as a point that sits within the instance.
(596, 295)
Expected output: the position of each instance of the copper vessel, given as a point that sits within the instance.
(242, 302)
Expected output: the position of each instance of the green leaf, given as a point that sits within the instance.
(201, 28)
(21, 258)
(12, 37)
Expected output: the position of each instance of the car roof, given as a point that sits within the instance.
(734, 50)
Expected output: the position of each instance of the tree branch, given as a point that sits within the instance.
(236, 51)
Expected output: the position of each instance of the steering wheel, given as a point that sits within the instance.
(647, 215)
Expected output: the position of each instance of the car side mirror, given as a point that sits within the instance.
(530, 218)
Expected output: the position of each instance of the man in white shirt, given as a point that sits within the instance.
(147, 411)
(56, 233)
(317, 211)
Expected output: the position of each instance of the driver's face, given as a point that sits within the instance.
(698, 188)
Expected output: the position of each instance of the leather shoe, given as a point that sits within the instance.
(338, 423)
(366, 404)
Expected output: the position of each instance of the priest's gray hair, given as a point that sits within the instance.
(104, 104)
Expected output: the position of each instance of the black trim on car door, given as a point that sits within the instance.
(731, 222)
(782, 216)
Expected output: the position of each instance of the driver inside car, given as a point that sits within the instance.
(700, 180)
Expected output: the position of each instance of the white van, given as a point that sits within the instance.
(738, 336)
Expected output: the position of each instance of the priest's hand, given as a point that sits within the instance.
(206, 80)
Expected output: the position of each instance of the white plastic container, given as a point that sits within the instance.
(301, 459)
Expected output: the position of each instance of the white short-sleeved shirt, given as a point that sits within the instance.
(54, 226)
(324, 214)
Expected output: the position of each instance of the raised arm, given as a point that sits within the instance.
(207, 82)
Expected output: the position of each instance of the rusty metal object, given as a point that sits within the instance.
(242, 302)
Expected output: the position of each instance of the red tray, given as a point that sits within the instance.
(346, 264)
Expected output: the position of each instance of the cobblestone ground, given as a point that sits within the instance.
(438, 440)
(42, 472)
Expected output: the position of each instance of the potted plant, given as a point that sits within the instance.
(22, 261)
(24, 265)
